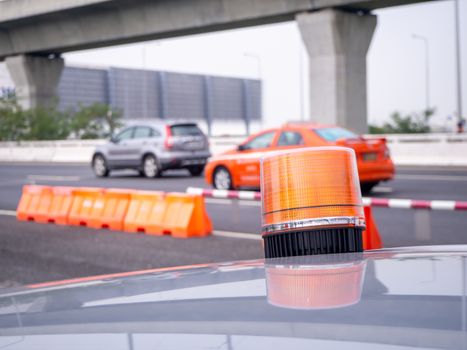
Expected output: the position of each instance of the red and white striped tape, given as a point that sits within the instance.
(205, 192)
(373, 202)
(414, 204)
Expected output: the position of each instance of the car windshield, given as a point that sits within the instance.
(334, 134)
(185, 130)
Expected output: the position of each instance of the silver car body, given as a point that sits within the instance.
(383, 299)
(128, 148)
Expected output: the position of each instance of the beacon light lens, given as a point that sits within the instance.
(315, 285)
(311, 190)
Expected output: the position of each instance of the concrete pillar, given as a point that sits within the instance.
(337, 43)
(36, 79)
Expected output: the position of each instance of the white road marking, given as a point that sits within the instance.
(255, 203)
(8, 212)
(253, 236)
(52, 178)
(382, 189)
(218, 201)
(431, 177)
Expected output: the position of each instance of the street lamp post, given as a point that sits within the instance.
(427, 69)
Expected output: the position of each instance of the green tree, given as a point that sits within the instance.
(42, 123)
(49, 123)
(414, 123)
(46, 123)
(94, 121)
(12, 119)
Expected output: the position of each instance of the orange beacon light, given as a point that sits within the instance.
(311, 202)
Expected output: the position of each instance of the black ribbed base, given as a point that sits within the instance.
(313, 242)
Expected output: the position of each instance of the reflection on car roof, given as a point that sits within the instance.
(400, 297)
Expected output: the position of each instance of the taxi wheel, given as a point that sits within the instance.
(150, 166)
(99, 165)
(222, 179)
(366, 187)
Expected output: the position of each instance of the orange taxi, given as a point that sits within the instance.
(240, 167)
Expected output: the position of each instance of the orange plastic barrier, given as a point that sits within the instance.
(186, 216)
(371, 237)
(60, 206)
(109, 209)
(179, 214)
(34, 203)
(84, 200)
(145, 212)
(45, 204)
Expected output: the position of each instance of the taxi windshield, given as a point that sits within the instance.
(334, 134)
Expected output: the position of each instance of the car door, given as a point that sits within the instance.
(248, 160)
(119, 152)
(139, 144)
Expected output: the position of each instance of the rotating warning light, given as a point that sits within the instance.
(311, 202)
(316, 285)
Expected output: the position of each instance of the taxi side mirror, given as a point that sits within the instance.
(241, 148)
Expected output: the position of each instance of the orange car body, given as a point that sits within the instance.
(243, 163)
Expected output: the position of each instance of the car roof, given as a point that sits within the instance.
(308, 125)
(400, 297)
(157, 122)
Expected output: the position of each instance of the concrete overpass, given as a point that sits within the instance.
(336, 33)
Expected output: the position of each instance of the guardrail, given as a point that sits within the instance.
(49, 151)
(427, 149)
(408, 149)
(422, 138)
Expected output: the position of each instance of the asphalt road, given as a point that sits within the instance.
(33, 253)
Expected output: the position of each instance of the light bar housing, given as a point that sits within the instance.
(311, 202)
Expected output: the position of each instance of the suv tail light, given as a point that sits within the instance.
(168, 142)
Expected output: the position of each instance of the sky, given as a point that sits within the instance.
(276, 55)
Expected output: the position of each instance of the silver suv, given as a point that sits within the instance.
(152, 148)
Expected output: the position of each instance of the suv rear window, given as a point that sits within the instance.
(186, 130)
(334, 134)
